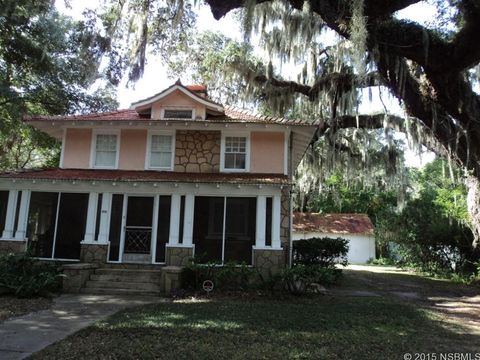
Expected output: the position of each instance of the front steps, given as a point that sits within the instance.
(125, 281)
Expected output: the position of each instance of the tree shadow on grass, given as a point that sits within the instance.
(327, 327)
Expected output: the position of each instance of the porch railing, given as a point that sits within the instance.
(137, 240)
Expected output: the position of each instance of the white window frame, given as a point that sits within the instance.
(226, 134)
(178, 108)
(93, 149)
(149, 152)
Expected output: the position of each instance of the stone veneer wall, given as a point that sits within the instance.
(92, 253)
(15, 246)
(197, 151)
(285, 218)
(178, 256)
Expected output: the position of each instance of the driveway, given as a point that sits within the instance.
(458, 303)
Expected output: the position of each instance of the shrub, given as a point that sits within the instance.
(298, 278)
(24, 276)
(325, 252)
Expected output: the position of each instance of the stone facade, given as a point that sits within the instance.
(285, 218)
(76, 275)
(197, 151)
(269, 262)
(178, 256)
(92, 253)
(15, 246)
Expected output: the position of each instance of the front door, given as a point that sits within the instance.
(137, 245)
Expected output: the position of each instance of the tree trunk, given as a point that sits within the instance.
(473, 203)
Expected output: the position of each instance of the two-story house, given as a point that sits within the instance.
(174, 176)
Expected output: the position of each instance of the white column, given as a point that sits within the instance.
(188, 220)
(174, 220)
(21, 232)
(91, 218)
(276, 219)
(10, 217)
(156, 203)
(104, 227)
(261, 221)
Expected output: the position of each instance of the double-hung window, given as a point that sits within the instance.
(106, 148)
(160, 154)
(235, 156)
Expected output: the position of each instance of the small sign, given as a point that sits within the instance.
(208, 286)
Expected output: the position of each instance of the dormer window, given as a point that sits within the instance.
(178, 114)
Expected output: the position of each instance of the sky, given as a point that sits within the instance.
(155, 80)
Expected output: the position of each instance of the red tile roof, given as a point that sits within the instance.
(147, 176)
(196, 87)
(332, 223)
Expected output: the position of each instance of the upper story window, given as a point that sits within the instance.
(105, 153)
(160, 151)
(235, 153)
(178, 114)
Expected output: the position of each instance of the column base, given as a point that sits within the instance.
(93, 253)
(269, 261)
(13, 246)
(178, 255)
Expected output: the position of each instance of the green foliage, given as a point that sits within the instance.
(324, 252)
(298, 278)
(45, 69)
(382, 261)
(24, 276)
(231, 276)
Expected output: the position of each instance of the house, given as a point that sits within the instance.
(174, 176)
(357, 228)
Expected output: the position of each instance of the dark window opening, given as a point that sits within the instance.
(71, 223)
(41, 223)
(268, 222)
(98, 216)
(17, 212)
(163, 226)
(177, 114)
(3, 210)
(182, 220)
(208, 228)
(138, 232)
(115, 227)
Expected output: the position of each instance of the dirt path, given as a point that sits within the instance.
(455, 302)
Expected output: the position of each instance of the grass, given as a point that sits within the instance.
(308, 328)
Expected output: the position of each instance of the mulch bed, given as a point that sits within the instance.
(11, 306)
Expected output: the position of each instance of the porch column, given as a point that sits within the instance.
(10, 216)
(276, 219)
(21, 232)
(261, 221)
(104, 218)
(188, 220)
(174, 220)
(91, 218)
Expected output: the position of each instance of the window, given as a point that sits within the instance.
(160, 151)
(105, 151)
(177, 113)
(235, 153)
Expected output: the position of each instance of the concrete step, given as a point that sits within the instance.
(128, 272)
(127, 278)
(152, 287)
(133, 266)
(118, 291)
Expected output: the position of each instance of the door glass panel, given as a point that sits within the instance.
(138, 233)
(115, 227)
(208, 228)
(3, 209)
(72, 219)
(41, 223)
(240, 229)
(163, 227)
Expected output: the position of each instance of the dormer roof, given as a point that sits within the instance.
(192, 91)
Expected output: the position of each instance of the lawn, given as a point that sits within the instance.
(328, 327)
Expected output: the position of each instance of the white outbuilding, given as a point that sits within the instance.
(357, 228)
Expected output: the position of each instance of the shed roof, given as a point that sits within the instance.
(332, 223)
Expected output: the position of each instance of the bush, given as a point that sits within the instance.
(24, 276)
(324, 252)
(231, 276)
(382, 261)
(298, 278)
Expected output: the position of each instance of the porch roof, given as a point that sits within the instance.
(332, 223)
(146, 176)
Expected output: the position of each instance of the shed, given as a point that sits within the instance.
(357, 228)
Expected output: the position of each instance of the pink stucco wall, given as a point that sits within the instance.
(76, 153)
(133, 145)
(267, 152)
